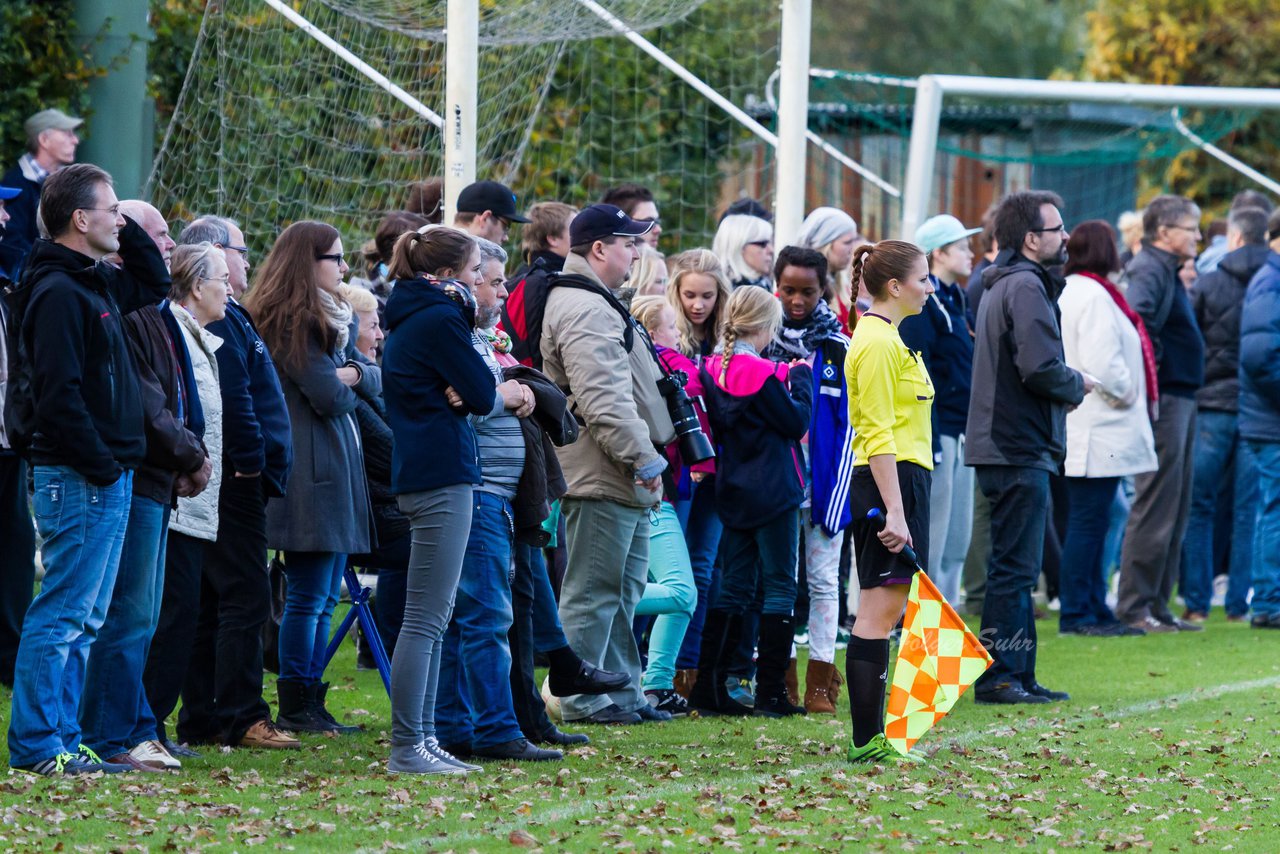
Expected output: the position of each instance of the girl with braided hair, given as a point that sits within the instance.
(890, 402)
(759, 411)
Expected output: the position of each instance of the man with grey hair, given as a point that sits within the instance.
(1221, 458)
(222, 683)
(475, 712)
(1152, 553)
(51, 145)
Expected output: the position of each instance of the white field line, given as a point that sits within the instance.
(676, 788)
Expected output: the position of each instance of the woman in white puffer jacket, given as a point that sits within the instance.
(1109, 435)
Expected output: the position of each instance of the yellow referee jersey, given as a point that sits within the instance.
(890, 396)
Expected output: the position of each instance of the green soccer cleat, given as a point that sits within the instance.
(879, 751)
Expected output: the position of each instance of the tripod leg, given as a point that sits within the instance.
(369, 626)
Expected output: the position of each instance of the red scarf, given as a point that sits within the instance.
(1148, 352)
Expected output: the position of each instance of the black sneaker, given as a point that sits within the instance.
(1265, 621)
(1006, 693)
(556, 736)
(667, 700)
(1041, 691)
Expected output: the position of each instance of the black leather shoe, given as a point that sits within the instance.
(178, 751)
(1265, 621)
(610, 714)
(588, 680)
(1008, 693)
(563, 739)
(518, 750)
(648, 714)
(1041, 691)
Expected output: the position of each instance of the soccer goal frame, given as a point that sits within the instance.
(931, 89)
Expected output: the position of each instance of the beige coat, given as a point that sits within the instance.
(613, 391)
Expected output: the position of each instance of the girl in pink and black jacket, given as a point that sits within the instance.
(759, 410)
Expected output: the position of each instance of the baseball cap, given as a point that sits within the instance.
(50, 120)
(596, 222)
(941, 230)
(7, 193)
(489, 196)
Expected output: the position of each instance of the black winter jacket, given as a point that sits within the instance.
(550, 426)
(72, 358)
(1217, 300)
(173, 421)
(1022, 386)
(1156, 293)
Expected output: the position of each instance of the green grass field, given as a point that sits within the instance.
(1168, 742)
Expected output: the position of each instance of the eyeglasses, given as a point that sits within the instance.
(1062, 227)
(114, 210)
(243, 250)
(335, 258)
(225, 280)
(760, 243)
(1194, 229)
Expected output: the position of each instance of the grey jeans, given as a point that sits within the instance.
(608, 545)
(950, 518)
(441, 523)
(1152, 552)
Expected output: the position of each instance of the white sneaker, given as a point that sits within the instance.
(153, 753)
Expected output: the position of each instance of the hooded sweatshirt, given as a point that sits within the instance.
(428, 349)
(87, 406)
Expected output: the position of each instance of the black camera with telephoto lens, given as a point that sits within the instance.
(694, 445)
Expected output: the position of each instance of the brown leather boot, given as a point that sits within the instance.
(817, 688)
(684, 681)
(793, 684)
(833, 689)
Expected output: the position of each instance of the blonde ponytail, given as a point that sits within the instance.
(749, 310)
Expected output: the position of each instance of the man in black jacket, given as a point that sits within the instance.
(222, 693)
(74, 400)
(1152, 552)
(1220, 457)
(1016, 432)
(545, 241)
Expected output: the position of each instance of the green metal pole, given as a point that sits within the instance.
(119, 135)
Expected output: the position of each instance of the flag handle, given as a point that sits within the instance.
(876, 517)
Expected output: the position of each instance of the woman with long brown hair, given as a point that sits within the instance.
(325, 514)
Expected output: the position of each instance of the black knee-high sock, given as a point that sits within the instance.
(866, 668)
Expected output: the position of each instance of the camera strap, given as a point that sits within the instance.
(630, 325)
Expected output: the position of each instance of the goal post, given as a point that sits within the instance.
(932, 89)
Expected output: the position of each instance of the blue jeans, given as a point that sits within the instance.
(1266, 535)
(1082, 583)
(670, 595)
(473, 697)
(83, 528)
(315, 580)
(548, 632)
(1219, 449)
(114, 713)
(765, 555)
(702, 530)
(1019, 499)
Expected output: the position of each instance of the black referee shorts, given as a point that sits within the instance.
(877, 565)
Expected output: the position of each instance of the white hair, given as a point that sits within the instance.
(734, 233)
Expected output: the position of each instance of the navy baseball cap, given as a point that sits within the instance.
(596, 222)
(7, 193)
(489, 196)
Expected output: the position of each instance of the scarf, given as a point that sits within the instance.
(1148, 351)
(338, 316)
(496, 338)
(798, 338)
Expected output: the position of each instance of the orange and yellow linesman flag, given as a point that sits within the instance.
(937, 660)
